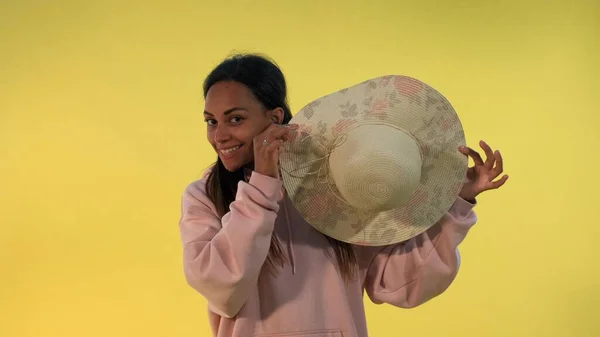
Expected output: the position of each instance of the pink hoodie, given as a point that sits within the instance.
(309, 298)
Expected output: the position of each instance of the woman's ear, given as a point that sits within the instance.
(277, 115)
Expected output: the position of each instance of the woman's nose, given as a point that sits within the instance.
(222, 134)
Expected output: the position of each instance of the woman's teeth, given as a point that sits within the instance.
(230, 150)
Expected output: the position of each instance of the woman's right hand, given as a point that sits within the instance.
(266, 148)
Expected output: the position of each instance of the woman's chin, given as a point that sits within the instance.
(231, 167)
(235, 165)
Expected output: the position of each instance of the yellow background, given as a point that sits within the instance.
(101, 129)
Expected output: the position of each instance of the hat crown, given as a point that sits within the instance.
(376, 168)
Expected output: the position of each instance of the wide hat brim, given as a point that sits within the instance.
(398, 101)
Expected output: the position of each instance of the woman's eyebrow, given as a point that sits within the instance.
(227, 112)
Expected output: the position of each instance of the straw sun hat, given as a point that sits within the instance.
(376, 163)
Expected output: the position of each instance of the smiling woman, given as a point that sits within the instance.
(234, 118)
(244, 95)
(252, 255)
(247, 116)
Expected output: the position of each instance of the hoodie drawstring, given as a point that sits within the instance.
(290, 239)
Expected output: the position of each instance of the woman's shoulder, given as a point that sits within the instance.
(197, 188)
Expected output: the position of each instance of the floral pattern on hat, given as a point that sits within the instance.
(401, 102)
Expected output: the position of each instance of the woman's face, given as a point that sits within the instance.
(234, 117)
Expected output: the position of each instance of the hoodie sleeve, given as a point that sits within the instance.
(413, 272)
(222, 258)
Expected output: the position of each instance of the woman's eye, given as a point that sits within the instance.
(236, 120)
(210, 121)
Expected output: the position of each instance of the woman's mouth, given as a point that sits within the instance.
(229, 151)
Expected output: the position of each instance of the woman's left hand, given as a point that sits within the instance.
(481, 176)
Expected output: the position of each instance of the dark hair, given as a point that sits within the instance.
(267, 83)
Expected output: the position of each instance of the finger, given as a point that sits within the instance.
(285, 126)
(471, 173)
(274, 145)
(473, 154)
(277, 131)
(286, 135)
(291, 135)
(496, 184)
(498, 169)
(489, 154)
(274, 150)
(271, 128)
(268, 129)
(288, 127)
(270, 134)
(464, 150)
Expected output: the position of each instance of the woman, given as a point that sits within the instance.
(263, 270)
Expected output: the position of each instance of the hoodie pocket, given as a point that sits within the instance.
(311, 333)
